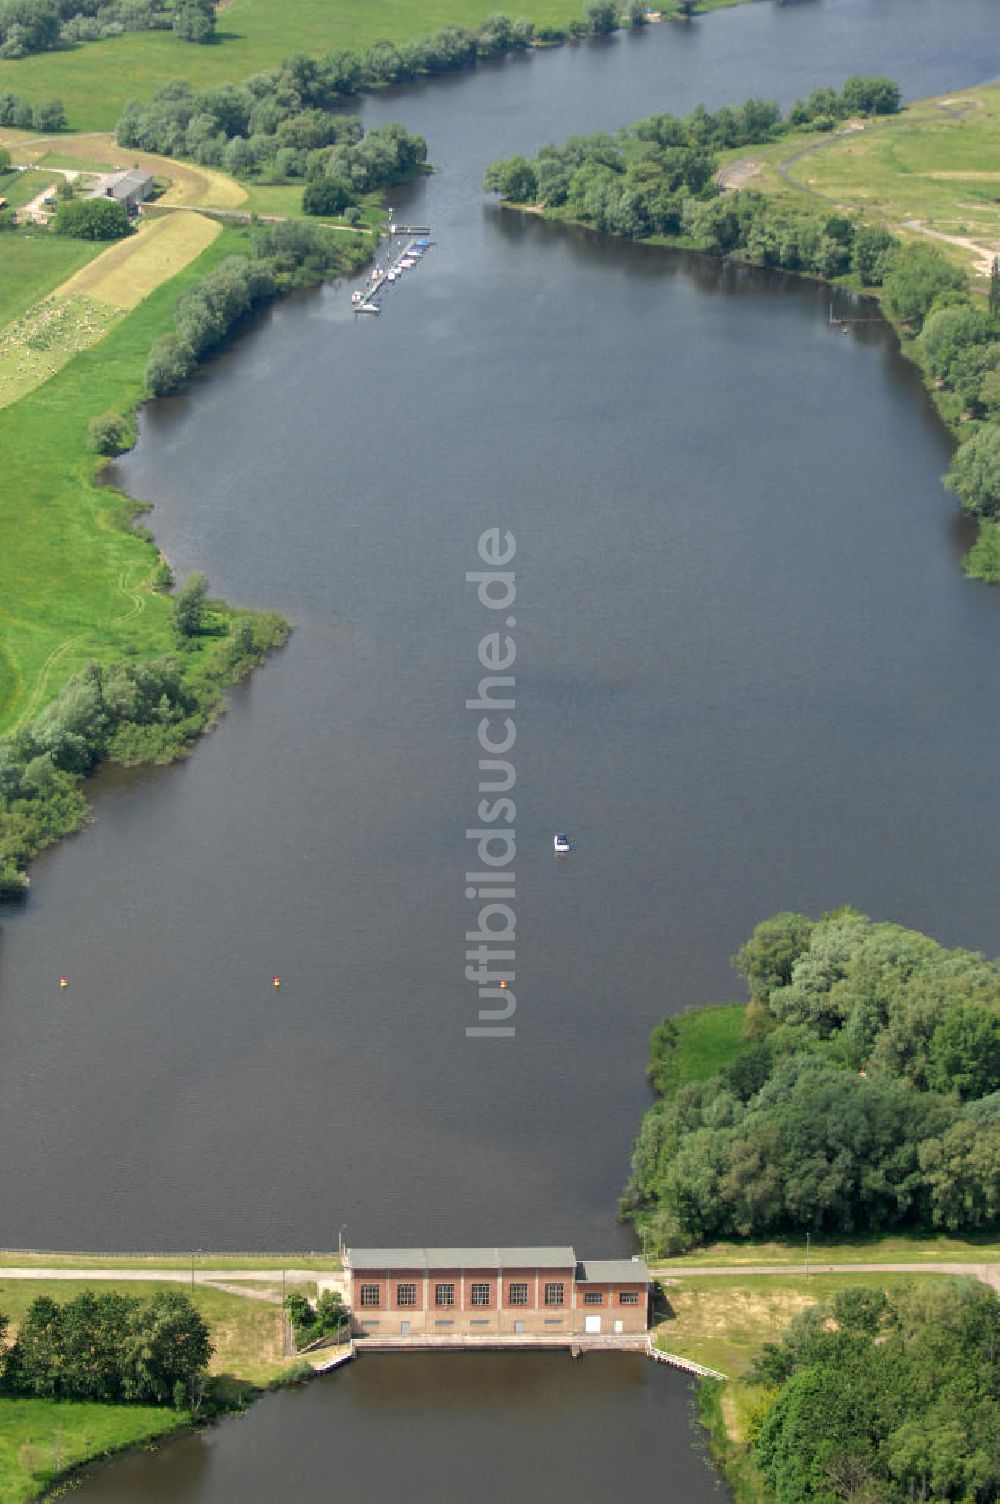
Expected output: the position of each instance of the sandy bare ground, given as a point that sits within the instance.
(984, 254)
(738, 174)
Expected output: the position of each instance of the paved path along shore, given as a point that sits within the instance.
(988, 1273)
(176, 1274)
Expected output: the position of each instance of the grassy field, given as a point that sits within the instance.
(130, 270)
(321, 1263)
(246, 1331)
(706, 1041)
(73, 584)
(894, 1248)
(45, 338)
(723, 1322)
(32, 265)
(933, 171)
(19, 188)
(40, 1440)
(95, 80)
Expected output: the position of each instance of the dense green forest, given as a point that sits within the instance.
(883, 1401)
(866, 1095)
(110, 1347)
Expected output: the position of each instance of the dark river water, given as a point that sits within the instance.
(428, 1428)
(750, 676)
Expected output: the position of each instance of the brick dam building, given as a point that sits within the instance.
(503, 1292)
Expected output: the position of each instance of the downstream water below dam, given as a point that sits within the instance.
(750, 676)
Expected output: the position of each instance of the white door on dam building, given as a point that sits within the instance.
(619, 1326)
(592, 1324)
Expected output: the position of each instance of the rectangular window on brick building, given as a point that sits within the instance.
(480, 1295)
(444, 1295)
(555, 1293)
(628, 1298)
(406, 1295)
(517, 1295)
(370, 1295)
(593, 1298)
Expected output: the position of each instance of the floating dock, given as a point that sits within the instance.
(402, 259)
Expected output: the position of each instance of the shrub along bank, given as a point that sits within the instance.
(283, 256)
(866, 1096)
(875, 1398)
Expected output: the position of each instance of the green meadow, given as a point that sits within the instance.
(19, 188)
(74, 585)
(932, 171)
(40, 1440)
(94, 80)
(705, 1042)
(33, 265)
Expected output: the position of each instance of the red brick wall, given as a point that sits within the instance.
(463, 1280)
(610, 1294)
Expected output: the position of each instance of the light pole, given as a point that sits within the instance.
(807, 1254)
(193, 1252)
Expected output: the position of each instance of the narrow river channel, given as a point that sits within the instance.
(750, 676)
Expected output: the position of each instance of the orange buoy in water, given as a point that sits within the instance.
(275, 981)
(64, 981)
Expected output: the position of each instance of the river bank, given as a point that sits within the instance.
(94, 79)
(769, 1126)
(262, 1099)
(43, 1442)
(81, 583)
(879, 207)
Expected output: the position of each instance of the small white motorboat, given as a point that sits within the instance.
(369, 308)
(561, 842)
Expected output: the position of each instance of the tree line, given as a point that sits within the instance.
(48, 115)
(659, 178)
(882, 1400)
(28, 26)
(636, 182)
(112, 1348)
(866, 1097)
(277, 127)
